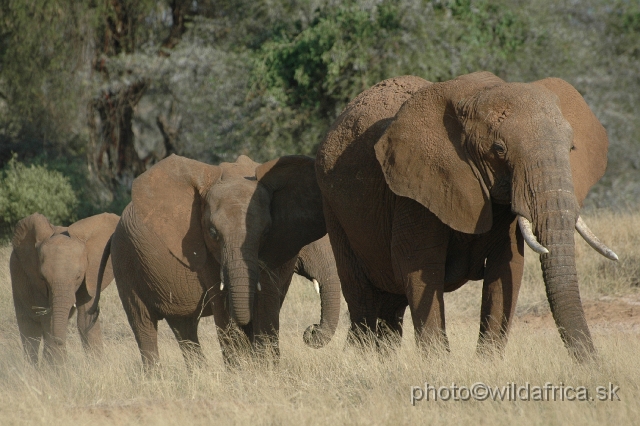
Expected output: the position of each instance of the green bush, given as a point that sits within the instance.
(28, 189)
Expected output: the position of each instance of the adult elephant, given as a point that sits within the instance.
(200, 240)
(424, 186)
(54, 269)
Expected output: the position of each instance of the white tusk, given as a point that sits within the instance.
(259, 286)
(316, 285)
(530, 239)
(593, 241)
(221, 286)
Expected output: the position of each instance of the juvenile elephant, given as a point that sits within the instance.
(200, 240)
(53, 269)
(427, 186)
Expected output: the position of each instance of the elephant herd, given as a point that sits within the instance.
(417, 188)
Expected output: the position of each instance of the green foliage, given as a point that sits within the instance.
(305, 74)
(29, 189)
(486, 24)
(624, 24)
(41, 74)
(267, 77)
(325, 64)
(86, 190)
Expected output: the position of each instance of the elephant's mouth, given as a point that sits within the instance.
(501, 191)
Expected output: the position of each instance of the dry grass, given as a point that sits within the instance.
(334, 385)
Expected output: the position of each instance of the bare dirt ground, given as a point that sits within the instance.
(607, 313)
(339, 385)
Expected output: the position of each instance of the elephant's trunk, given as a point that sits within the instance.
(554, 213)
(319, 265)
(240, 270)
(56, 337)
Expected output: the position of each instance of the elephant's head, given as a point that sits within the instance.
(241, 213)
(62, 265)
(459, 146)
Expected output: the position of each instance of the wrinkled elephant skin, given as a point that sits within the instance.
(53, 269)
(422, 186)
(223, 240)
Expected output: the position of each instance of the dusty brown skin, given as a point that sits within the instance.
(316, 262)
(192, 225)
(422, 184)
(53, 268)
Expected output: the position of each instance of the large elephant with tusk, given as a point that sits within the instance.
(427, 186)
(221, 240)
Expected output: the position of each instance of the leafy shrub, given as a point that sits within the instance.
(28, 189)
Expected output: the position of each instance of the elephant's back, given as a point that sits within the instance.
(143, 264)
(350, 176)
(366, 117)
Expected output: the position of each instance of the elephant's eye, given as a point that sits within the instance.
(213, 232)
(573, 148)
(500, 148)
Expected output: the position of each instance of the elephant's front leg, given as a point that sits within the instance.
(419, 250)
(31, 335)
(186, 331)
(502, 279)
(274, 285)
(89, 329)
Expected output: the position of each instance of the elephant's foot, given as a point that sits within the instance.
(192, 354)
(235, 346)
(361, 336)
(267, 348)
(432, 342)
(388, 336)
(491, 346)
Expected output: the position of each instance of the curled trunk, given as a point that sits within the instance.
(316, 262)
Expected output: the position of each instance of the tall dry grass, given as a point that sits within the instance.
(335, 385)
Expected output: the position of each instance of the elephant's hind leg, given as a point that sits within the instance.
(89, 329)
(186, 331)
(358, 291)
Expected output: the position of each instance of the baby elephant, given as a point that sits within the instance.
(54, 270)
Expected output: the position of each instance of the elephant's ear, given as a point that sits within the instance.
(297, 218)
(423, 157)
(28, 233)
(95, 232)
(167, 199)
(589, 158)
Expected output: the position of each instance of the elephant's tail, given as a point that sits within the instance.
(103, 264)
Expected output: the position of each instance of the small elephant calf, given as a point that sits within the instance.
(54, 270)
